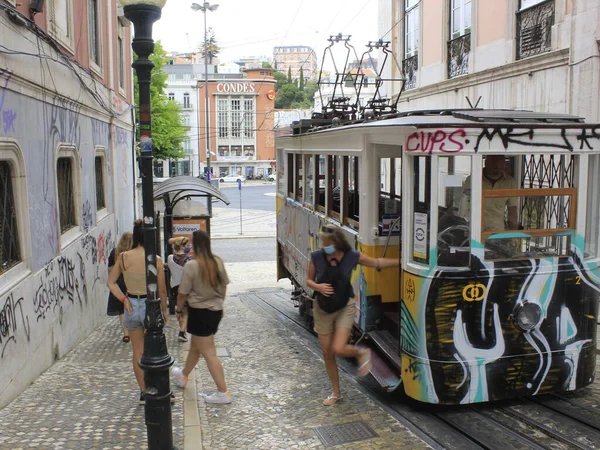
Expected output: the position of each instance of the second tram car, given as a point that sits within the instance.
(497, 293)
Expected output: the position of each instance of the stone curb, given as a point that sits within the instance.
(245, 236)
(192, 431)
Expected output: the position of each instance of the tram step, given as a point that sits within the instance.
(383, 374)
(391, 323)
(389, 346)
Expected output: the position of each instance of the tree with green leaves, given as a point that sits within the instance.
(289, 77)
(301, 82)
(212, 47)
(168, 131)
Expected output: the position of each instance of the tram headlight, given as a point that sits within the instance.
(527, 315)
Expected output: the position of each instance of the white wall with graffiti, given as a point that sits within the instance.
(53, 290)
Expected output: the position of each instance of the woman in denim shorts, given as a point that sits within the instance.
(132, 265)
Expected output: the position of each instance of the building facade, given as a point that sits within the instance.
(241, 123)
(182, 88)
(542, 55)
(294, 58)
(66, 175)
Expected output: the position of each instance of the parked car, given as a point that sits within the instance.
(270, 177)
(232, 179)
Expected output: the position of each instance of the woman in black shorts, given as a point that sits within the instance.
(203, 287)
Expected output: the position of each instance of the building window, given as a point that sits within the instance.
(121, 56)
(411, 43)
(10, 252)
(187, 146)
(459, 44)
(186, 101)
(100, 200)
(66, 197)
(94, 32)
(171, 96)
(59, 20)
(249, 118)
(534, 27)
(223, 118)
(236, 118)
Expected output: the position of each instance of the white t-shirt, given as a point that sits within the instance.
(176, 271)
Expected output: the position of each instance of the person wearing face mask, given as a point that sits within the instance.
(176, 261)
(499, 213)
(334, 328)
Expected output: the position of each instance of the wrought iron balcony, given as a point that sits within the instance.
(409, 67)
(534, 29)
(458, 55)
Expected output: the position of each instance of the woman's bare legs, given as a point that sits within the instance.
(125, 330)
(205, 346)
(331, 367)
(137, 342)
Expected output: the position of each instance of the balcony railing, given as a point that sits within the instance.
(534, 30)
(458, 55)
(409, 67)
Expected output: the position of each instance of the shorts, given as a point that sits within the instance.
(203, 322)
(135, 319)
(326, 323)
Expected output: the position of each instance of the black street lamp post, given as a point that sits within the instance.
(156, 360)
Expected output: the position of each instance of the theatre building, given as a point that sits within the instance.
(241, 122)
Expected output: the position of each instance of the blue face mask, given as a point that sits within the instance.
(330, 249)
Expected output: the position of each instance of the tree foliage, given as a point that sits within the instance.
(212, 46)
(168, 131)
(294, 93)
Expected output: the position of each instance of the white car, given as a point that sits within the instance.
(270, 177)
(232, 179)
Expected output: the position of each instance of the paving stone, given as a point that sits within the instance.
(278, 386)
(87, 400)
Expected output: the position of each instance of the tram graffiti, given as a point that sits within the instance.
(476, 352)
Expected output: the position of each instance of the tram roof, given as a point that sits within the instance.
(468, 118)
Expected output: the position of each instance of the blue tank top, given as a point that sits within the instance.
(347, 264)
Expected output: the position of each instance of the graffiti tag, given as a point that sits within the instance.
(12, 320)
(8, 117)
(439, 140)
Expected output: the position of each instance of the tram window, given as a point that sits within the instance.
(422, 209)
(543, 211)
(390, 189)
(280, 171)
(335, 174)
(592, 212)
(290, 174)
(454, 233)
(309, 164)
(299, 183)
(320, 176)
(353, 190)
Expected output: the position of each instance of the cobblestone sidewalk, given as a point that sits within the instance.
(278, 386)
(87, 400)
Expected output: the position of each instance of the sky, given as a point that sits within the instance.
(253, 28)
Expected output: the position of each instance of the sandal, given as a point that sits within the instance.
(126, 338)
(331, 400)
(364, 363)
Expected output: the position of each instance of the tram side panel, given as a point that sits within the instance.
(461, 344)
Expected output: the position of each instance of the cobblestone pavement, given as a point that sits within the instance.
(278, 386)
(87, 400)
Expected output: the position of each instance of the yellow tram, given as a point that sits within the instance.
(496, 218)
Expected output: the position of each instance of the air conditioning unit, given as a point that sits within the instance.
(36, 6)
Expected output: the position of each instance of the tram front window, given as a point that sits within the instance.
(454, 233)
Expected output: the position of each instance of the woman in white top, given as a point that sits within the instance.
(176, 261)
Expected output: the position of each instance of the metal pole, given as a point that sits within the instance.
(240, 189)
(206, 113)
(156, 360)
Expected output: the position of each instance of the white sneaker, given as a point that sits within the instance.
(218, 397)
(178, 378)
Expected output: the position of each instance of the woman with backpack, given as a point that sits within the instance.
(330, 269)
